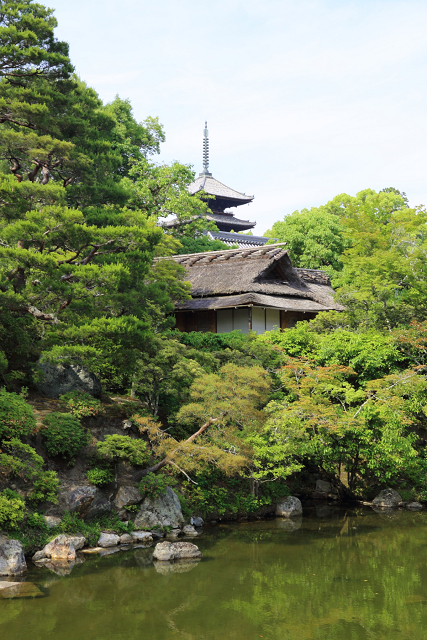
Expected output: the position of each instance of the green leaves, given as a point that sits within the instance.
(27, 44)
(123, 448)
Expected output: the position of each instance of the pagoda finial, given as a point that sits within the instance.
(205, 171)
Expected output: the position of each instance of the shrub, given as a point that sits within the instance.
(12, 509)
(16, 416)
(20, 460)
(45, 488)
(80, 404)
(100, 477)
(63, 435)
(123, 448)
(153, 485)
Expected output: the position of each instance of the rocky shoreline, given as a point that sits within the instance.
(164, 514)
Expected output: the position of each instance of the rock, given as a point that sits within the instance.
(59, 379)
(86, 500)
(162, 511)
(12, 559)
(141, 536)
(289, 507)
(79, 499)
(78, 542)
(127, 496)
(92, 550)
(323, 486)
(126, 539)
(196, 521)
(60, 548)
(387, 498)
(127, 424)
(52, 521)
(19, 590)
(157, 534)
(176, 551)
(108, 540)
(99, 507)
(172, 535)
(189, 530)
(414, 506)
(39, 555)
(6, 585)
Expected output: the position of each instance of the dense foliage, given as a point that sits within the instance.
(16, 416)
(231, 420)
(63, 435)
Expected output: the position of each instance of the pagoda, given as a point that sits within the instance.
(224, 198)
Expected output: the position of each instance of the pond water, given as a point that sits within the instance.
(337, 575)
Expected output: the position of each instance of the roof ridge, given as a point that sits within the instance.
(247, 250)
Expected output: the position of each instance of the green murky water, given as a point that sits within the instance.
(341, 575)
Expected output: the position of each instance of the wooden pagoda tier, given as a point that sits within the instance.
(224, 199)
(250, 289)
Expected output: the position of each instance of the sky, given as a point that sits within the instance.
(305, 99)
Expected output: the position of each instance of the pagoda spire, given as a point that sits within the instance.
(205, 171)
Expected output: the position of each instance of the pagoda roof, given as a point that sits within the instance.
(220, 219)
(213, 187)
(242, 241)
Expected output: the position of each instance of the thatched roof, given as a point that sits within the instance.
(217, 276)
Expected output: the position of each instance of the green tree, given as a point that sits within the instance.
(225, 409)
(315, 238)
(28, 47)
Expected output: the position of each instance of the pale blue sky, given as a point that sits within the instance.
(304, 99)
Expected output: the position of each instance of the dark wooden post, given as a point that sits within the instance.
(250, 318)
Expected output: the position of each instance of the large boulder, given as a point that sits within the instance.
(79, 499)
(126, 496)
(387, 498)
(99, 507)
(12, 559)
(289, 507)
(61, 548)
(61, 378)
(85, 500)
(176, 551)
(162, 511)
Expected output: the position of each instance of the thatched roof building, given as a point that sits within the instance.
(250, 289)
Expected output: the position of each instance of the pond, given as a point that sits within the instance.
(334, 575)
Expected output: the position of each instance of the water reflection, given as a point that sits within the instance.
(355, 574)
